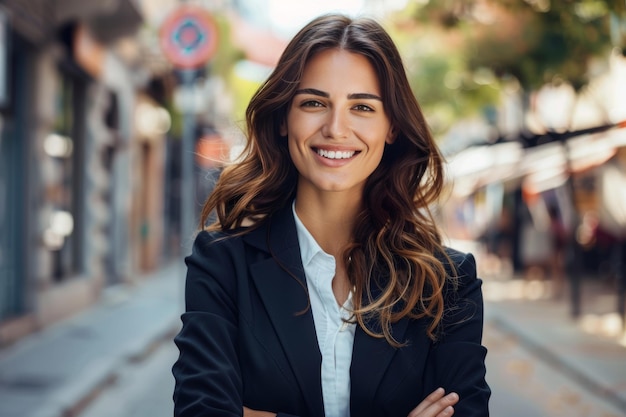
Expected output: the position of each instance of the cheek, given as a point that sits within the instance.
(301, 130)
(380, 138)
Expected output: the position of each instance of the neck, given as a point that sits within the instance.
(329, 219)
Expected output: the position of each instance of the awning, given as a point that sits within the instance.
(538, 168)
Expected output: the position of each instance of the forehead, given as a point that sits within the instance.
(340, 70)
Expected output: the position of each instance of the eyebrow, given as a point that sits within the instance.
(353, 96)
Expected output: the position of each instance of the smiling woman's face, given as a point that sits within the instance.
(336, 125)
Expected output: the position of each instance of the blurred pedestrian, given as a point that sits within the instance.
(559, 240)
(323, 289)
(536, 249)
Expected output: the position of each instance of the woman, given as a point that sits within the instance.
(323, 289)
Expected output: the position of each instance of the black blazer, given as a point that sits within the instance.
(243, 341)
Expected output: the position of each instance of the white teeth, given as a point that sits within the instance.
(335, 154)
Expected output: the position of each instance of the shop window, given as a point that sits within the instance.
(64, 190)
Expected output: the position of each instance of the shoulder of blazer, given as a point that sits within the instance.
(458, 264)
(460, 270)
(208, 239)
(276, 234)
(462, 290)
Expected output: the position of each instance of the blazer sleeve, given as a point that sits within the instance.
(457, 361)
(208, 378)
(207, 374)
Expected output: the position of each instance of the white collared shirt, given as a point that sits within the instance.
(334, 336)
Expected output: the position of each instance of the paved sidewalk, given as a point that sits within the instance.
(545, 328)
(55, 372)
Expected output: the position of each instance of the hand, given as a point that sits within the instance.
(436, 405)
(256, 413)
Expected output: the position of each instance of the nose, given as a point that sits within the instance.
(336, 125)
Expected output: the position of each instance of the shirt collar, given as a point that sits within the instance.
(308, 246)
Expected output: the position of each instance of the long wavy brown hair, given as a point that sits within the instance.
(392, 262)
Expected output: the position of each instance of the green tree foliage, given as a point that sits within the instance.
(227, 54)
(445, 86)
(532, 40)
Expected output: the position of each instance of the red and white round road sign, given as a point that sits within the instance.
(188, 37)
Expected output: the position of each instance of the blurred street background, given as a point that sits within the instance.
(117, 116)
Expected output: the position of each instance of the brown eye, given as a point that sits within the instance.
(311, 103)
(363, 107)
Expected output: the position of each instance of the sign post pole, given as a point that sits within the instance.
(187, 180)
(188, 38)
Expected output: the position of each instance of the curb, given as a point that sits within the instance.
(559, 361)
(70, 399)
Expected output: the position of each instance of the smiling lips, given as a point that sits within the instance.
(335, 154)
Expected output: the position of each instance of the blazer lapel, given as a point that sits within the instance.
(370, 359)
(281, 283)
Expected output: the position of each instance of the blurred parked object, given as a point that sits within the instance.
(612, 223)
(612, 196)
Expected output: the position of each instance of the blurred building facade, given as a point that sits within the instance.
(83, 160)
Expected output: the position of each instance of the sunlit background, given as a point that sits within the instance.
(109, 146)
